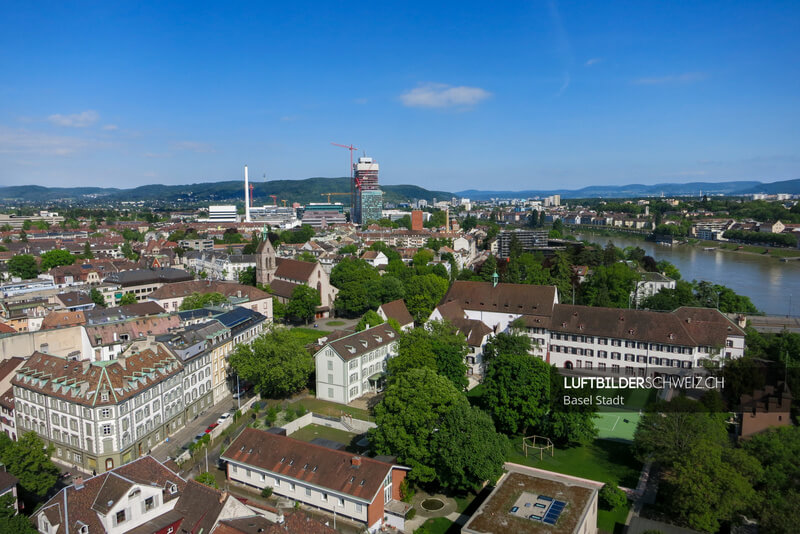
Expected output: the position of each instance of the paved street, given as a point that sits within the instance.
(171, 448)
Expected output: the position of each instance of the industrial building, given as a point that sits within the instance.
(320, 215)
(222, 214)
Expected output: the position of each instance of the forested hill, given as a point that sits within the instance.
(303, 191)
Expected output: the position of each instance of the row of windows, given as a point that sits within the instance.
(627, 343)
(291, 487)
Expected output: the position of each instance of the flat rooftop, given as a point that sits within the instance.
(533, 501)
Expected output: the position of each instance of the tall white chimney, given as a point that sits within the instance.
(246, 196)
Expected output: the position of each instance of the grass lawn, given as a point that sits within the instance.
(619, 422)
(310, 432)
(602, 460)
(332, 409)
(612, 521)
(308, 335)
(438, 525)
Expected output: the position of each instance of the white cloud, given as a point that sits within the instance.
(35, 143)
(193, 146)
(440, 95)
(686, 77)
(110, 127)
(593, 61)
(75, 120)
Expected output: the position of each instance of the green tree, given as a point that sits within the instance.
(247, 276)
(303, 304)
(10, 521)
(409, 415)
(306, 256)
(439, 347)
(97, 298)
(127, 298)
(423, 293)
(208, 479)
(128, 252)
(29, 460)
(369, 320)
(87, 251)
(23, 265)
(276, 362)
(710, 485)
(611, 497)
(506, 343)
(673, 429)
(610, 286)
(197, 300)
(517, 391)
(468, 449)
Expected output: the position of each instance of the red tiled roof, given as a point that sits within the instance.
(294, 270)
(504, 298)
(82, 382)
(229, 289)
(80, 503)
(307, 462)
(397, 310)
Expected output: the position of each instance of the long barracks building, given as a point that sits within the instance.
(616, 341)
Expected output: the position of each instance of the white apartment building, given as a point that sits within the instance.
(649, 285)
(219, 265)
(99, 415)
(351, 366)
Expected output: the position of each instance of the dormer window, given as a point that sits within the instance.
(173, 489)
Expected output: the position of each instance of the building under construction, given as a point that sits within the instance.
(366, 197)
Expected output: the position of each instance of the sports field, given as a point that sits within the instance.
(619, 422)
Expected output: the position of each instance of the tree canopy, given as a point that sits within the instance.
(276, 363)
(23, 265)
(303, 304)
(29, 460)
(429, 425)
(438, 346)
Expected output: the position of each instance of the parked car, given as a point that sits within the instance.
(198, 437)
(224, 417)
(211, 427)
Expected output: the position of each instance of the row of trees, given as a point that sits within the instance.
(781, 240)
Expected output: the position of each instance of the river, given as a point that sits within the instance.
(772, 285)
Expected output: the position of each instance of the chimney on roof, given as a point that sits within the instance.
(355, 461)
(223, 496)
(78, 482)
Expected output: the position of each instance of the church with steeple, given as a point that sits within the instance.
(283, 275)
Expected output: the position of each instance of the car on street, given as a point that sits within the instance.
(224, 417)
(211, 427)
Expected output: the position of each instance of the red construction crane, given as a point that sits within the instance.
(351, 148)
(274, 200)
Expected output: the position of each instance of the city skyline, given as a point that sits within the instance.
(539, 96)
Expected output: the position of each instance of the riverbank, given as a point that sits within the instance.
(739, 248)
(769, 282)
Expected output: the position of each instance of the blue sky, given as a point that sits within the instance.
(446, 95)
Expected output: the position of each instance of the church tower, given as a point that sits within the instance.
(266, 264)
